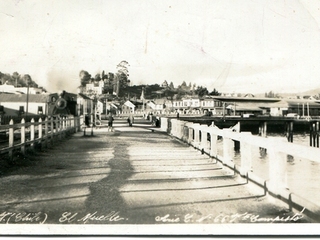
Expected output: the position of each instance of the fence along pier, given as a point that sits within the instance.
(196, 134)
(41, 132)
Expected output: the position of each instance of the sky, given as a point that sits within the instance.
(246, 46)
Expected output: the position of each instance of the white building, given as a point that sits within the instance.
(5, 88)
(16, 104)
(90, 87)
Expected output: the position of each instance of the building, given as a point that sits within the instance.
(84, 104)
(246, 105)
(197, 105)
(301, 107)
(6, 88)
(94, 89)
(128, 107)
(19, 104)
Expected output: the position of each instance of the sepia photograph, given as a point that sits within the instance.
(159, 118)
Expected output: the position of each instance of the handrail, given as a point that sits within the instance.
(204, 138)
(37, 132)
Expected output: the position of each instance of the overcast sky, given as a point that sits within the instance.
(231, 45)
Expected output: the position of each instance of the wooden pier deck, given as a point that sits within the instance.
(134, 176)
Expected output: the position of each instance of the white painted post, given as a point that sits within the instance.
(196, 127)
(69, 123)
(58, 127)
(181, 129)
(164, 124)
(75, 125)
(32, 133)
(40, 129)
(178, 129)
(52, 130)
(227, 147)
(46, 131)
(213, 144)
(174, 127)
(64, 123)
(246, 154)
(190, 135)
(277, 168)
(23, 135)
(80, 122)
(11, 138)
(203, 141)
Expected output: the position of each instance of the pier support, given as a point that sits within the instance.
(263, 129)
(263, 133)
(289, 131)
(314, 134)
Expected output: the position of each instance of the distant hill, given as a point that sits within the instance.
(312, 92)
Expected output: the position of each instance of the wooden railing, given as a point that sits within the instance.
(20, 136)
(205, 138)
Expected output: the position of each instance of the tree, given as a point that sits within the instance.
(97, 77)
(201, 91)
(108, 83)
(16, 77)
(85, 78)
(171, 86)
(27, 81)
(121, 77)
(6, 78)
(215, 93)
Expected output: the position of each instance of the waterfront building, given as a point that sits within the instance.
(301, 107)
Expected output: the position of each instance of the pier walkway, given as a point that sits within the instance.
(133, 176)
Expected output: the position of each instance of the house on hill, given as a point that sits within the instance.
(128, 107)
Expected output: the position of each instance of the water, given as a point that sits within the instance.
(303, 176)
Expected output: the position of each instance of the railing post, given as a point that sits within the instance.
(32, 133)
(204, 137)
(70, 123)
(40, 131)
(164, 124)
(52, 130)
(246, 154)
(46, 132)
(190, 134)
(59, 127)
(11, 138)
(23, 135)
(277, 168)
(73, 124)
(63, 119)
(180, 129)
(196, 140)
(227, 147)
(174, 127)
(213, 143)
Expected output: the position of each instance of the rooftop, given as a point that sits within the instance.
(5, 97)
